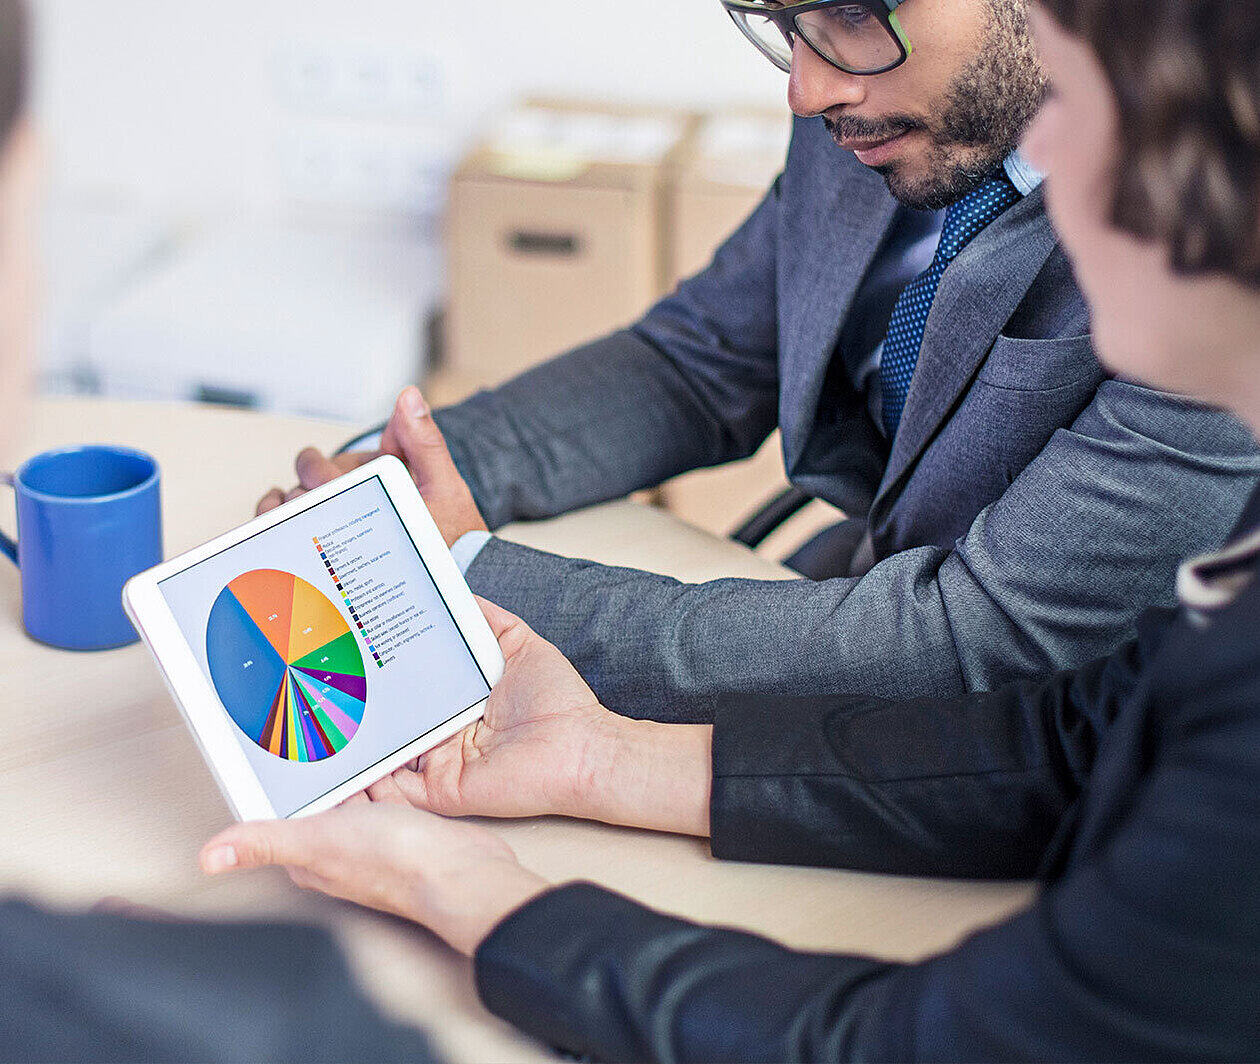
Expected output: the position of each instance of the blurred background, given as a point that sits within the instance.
(304, 206)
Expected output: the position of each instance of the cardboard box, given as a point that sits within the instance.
(723, 173)
(554, 232)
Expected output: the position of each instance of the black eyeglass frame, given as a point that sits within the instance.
(784, 16)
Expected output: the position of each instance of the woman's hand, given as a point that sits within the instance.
(547, 746)
(459, 880)
(543, 741)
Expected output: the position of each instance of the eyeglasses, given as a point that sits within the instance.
(856, 36)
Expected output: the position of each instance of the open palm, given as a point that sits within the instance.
(532, 752)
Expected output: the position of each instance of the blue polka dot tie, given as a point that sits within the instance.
(963, 221)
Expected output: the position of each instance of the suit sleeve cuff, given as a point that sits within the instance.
(467, 547)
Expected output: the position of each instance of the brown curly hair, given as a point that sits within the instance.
(12, 63)
(1187, 77)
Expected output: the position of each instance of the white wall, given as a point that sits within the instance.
(188, 104)
(174, 126)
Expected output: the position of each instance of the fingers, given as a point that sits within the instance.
(414, 788)
(270, 501)
(275, 497)
(417, 786)
(413, 436)
(259, 843)
(351, 460)
(387, 790)
(314, 470)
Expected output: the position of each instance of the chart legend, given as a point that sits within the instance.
(354, 613)
(363, 570)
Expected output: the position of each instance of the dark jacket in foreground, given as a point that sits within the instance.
(98, 987)
(1132, 787)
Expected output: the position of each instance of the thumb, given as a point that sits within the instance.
(513, 634)
(499, 619)
(256, 844)
(414, 436)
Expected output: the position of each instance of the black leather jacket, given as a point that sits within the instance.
(1132, 787)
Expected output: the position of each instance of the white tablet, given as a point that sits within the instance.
(320, 646)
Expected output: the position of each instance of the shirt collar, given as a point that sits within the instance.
(1024, 176)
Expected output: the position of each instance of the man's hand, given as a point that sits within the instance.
(314, 469)
(414, 437)
(547, 746)
(459, 880)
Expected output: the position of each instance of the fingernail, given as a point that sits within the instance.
(220, 859)
(413, 403)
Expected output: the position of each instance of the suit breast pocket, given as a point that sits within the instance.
(1040, 365)
(1024, 392)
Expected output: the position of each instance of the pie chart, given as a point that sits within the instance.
(286, 665)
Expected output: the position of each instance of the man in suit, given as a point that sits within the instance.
(899, 306)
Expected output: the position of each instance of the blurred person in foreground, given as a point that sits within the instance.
(900, 307)
(1130, 787)
(107, 986)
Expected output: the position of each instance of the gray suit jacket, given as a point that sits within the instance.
(1028, 509)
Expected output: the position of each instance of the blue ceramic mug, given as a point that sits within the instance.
(89, 519)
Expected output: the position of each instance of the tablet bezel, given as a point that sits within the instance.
(194, 693)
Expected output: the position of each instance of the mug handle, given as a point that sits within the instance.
(8, 547)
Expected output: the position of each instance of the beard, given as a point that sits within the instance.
(977, 124)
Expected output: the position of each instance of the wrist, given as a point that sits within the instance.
(650, 775)
(464, 908)
(600, 739)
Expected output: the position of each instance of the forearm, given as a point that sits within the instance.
(598, 974)
(966, 787)
(1110, 964)
(647, 775)
(653, 647)
(463, 909)
(563, 436)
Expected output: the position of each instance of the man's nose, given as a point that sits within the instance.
(815, 86)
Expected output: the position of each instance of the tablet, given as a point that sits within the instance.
(317, 648)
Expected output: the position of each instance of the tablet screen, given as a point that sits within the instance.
(327, 643)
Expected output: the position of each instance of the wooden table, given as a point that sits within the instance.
(103, 792)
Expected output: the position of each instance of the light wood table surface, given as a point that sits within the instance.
(103, 793)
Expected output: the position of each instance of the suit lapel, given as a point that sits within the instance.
(825, 259)
(977, 296)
